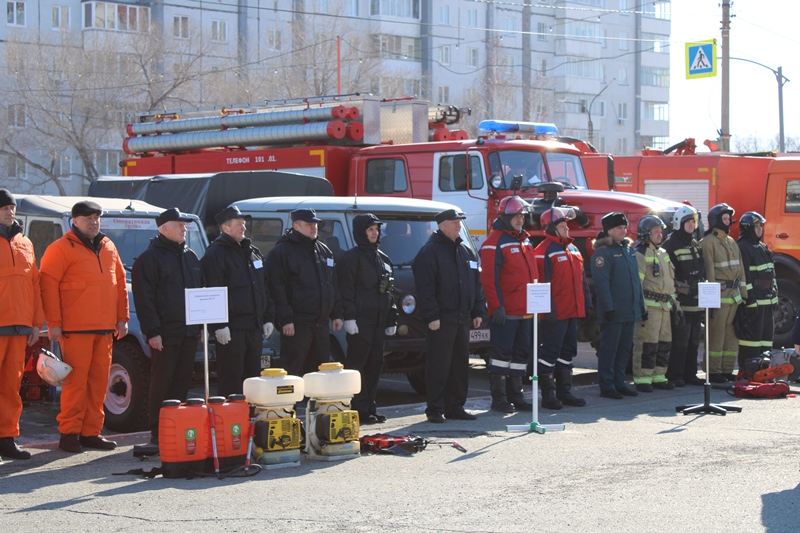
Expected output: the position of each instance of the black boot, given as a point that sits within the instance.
(497, 384)
(548, 386)
(516, 395)
(10, 450)
(70, 443)
(564, 388)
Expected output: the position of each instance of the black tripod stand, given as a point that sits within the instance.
(707, 408)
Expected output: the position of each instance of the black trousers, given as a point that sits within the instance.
(170, 374)
(238, 360)
(365, 354)
(309, 347)
(685, 344)
(447, 368)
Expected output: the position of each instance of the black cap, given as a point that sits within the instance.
(229, 213)
(171, 215)
(449, 214)
(86, 208)
(614, 219)
(6, 198)
(306, 215)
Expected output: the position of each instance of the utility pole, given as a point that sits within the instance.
(725, 131)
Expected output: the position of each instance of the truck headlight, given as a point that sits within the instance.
(409, 303)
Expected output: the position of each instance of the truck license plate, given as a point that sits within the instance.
(265, 361)
(478, 335)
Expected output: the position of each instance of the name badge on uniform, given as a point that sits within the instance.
(257, 264)
(387, 268)
(562, 258)
(329, 262)
(473, 265)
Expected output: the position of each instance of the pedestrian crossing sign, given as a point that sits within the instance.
(701, 59)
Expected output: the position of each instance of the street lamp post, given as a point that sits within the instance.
(589, 111)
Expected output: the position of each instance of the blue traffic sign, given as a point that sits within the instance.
(701, 59)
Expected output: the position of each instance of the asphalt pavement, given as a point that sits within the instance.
(619, 465)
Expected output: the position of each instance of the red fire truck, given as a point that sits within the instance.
(765, 183)
(368, 147)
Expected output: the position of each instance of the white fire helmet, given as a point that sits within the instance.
(52, 369)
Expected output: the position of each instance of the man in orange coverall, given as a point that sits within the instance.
(85, 301)
(20, 320)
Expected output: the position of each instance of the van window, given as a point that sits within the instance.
(42, 233)
(385, 176)
(793, 196)
(265, 232)
(453, 173)
(331, 232)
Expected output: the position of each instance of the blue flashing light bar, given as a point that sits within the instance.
(507, 126)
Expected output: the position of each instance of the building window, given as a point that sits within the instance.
(107, 162)
(656, 111)
(219, 31)
(273, 39)
(508, 24)
(397, 47)
(444, 15)
(622, 76)
(472, 18)
(659, 9)
(16, 115)
(601, 108)
(472, 57)
(117, 17)
(580, 67)
(352, 8)
(543, 68)
(180, 27)
(395, 8)
(16, 167)
(622, 112)
(322, 6)
(624, 44)
(444, 94)
(622, 146)
(623, 6)
(655, 76)
(60, 18)
(444, 55)
(541, 31)
(62, 165)
(16, 13)
(508, 64)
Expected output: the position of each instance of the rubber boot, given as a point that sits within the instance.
(10, 450)
(516, 395)
(497, 384)
(564, 388)
(548, 387)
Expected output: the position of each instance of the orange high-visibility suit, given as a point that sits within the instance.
(84, 293)
(21, 311)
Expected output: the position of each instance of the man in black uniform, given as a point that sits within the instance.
(762, 288)
(303, 286)
(160, 275)
(365, 278)
(687, 258)
(451, 299)
(232, 261)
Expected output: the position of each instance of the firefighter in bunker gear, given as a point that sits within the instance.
(20, 320)
(508, 265)
(724, 266)
(620, 304)
(762, 288)
(560, 263)
(652, 338)
(85, 301)
(687, 260)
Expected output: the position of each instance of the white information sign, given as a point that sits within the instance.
(208, 305)
(538, 298)
(709, 294)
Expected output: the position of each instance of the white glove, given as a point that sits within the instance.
(223, 335)
(351, 327)
(391, 330)
(269, 327)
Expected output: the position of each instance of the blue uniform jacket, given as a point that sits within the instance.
(615, 275)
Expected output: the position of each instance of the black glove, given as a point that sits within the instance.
(608, 316)
(678, 318)
(499, 316)
(550, 318)
(645, 315)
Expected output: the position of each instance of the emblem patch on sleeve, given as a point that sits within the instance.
(599, 261)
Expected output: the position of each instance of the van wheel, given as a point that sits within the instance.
(785, 312)
(416, 379)
(126, 403)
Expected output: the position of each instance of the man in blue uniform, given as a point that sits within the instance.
(620, 303)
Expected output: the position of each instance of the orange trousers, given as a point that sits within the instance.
(84, 390)
(12, 365)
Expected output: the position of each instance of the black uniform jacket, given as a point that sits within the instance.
(160, 275)
(241, 268)
(447, 276)
(302, 280)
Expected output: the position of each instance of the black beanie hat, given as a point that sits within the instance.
(6, 198)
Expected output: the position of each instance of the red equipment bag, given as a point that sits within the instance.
(390, 444)
(744, 389)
